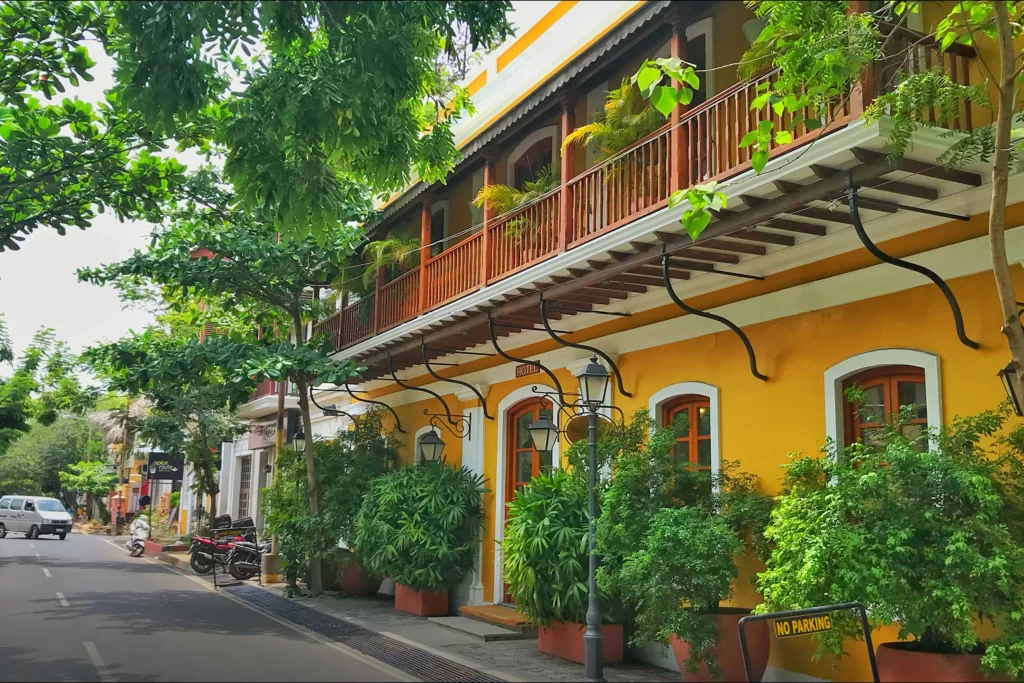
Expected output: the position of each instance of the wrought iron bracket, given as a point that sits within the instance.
(574, 345)
(394, 376)
(452, 380)
(461, 427)
(536, 364)
(331, 410)
(711, 316)
(858, 226)
(398, 423)
(575, 409)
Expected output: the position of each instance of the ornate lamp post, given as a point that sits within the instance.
(544, 433)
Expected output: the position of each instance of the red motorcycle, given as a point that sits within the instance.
(206, 552)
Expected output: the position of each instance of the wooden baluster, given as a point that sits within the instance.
(485, 234)
(377, 310)
(568, 168)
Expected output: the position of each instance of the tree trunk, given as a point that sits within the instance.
(1000, 180)
(315, 584)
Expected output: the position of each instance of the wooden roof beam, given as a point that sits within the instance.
(894, 186)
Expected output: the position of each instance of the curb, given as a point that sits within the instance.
(173, 560)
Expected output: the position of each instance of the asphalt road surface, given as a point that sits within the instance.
(83, 610)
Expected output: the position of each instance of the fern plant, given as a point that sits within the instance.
(626, 119)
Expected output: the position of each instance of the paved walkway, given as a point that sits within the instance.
(515, 660)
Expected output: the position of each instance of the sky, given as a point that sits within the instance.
(38, 284)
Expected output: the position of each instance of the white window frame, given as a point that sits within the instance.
(838, 373)
(712, 394)
(528, 142)
(514, 397)
(705, 27)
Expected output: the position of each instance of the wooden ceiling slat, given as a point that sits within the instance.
(894, 186)
(953, 175)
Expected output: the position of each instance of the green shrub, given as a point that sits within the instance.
(929, 538)
(175, 499)
(545, 549)
(421, 525)
(682, 571)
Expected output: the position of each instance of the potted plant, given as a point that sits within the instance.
(545, 562)
(421, 526)
(678, 602)
(925, 529)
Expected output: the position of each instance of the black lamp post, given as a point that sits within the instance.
(431, 446)
(300, 441)
(1007, 375)
(593, 387)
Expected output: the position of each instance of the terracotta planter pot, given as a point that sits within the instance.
(565, 640)
(730, 655)
(896, 662)
(356, 582)
(421, 603)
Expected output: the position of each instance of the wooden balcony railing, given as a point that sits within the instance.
(525, 236)
(268, 387)
(454, 272)
(630, 185)
(399, 300)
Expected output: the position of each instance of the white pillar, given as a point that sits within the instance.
(471, 591)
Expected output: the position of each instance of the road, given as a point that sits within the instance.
(83, 610)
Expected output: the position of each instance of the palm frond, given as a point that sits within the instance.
(503, 198)
(625, 119)
(388, 252)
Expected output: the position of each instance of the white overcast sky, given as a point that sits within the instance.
(38, 285)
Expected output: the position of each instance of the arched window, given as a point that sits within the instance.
(890, 378)
(886, 390)
(537, 150)
(691, 417)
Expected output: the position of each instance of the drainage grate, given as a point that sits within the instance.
(421, 664)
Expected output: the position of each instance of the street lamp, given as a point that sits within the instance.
(300, 441)
(544, 434)
(431, 446)
(1007, 375)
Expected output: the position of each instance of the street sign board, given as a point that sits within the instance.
(163, 467)
(802, 626)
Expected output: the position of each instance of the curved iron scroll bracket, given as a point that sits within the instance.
(332, 411)
(536, 364)
(394, 376)
(426, 364)
(574, 345)
(398, 423)
(461, 428)
(958, 318)
(711, 316)
(574, 410)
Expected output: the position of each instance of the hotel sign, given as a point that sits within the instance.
(526, 369)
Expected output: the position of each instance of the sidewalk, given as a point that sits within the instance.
(514, 660)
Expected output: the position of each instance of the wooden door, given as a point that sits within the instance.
(522, 461)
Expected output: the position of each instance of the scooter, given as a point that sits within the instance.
(138, 533)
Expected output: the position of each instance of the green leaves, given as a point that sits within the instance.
(664, 98)
(421, 525)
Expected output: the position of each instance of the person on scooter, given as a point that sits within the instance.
(138, 532)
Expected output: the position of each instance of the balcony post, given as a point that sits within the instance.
(864, 89)
(424, 250)
(567, 170)
(679, 176)
(485, 236)
(377, 300)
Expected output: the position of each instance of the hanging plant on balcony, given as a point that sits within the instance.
(627, 118)
(504, 199)
(359, 277)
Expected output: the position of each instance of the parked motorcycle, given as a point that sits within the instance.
(206, 552)
(138, 532)
(244, 559)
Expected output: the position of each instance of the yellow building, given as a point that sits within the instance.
(784, 264)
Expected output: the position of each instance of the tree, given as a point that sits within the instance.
(89, 477)
(823, 50)
(266, 281)
(32, 463)
(63, 162)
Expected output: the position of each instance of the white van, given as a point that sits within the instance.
(34, 515)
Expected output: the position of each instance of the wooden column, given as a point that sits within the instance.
(568, 170)
(679, 177)
(424, 250)
(863, 91)
(377, 300)
(485, 236)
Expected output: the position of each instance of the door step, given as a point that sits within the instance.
(477, 629)
(500, 616)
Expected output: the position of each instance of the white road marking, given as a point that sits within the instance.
(63, 601)
(94, 655)
(47, 572)
(31, 545)
(38, 555)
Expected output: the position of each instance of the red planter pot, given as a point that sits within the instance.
(421, 603)
(565, 640)
(730, 655)
(896, 663)
(356, 582)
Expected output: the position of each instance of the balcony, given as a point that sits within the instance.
(263, 401)
(697, 146)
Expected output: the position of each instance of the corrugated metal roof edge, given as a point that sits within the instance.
(545, 90)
